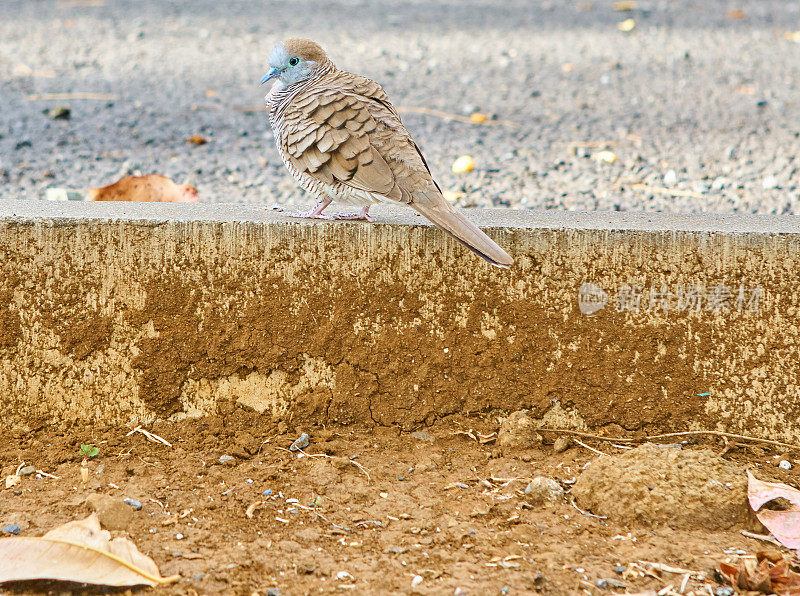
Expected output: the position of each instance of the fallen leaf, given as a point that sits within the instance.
(624, 5)
(626, 25)
(478, 118)
(792, 36)
(765, 573)
(735, 14)
(197, 140)
(745, 89)
(785, 523)
(151, 188)
(78, 551)
(463, 164)
(13, 480)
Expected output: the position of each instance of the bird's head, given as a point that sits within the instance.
(296, 60)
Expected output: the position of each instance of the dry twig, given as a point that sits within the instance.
(582, 444)
(586, 513)
(150, 436)
(763, 537)
(714, 433)
(69, 96)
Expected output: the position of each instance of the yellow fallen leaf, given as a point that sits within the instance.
(478, 118)
(626, 25)
(605, 156)
(153, 188)
(463, 164)
(452, 196)
(735, 14)
(745, 89)
(197, 140)
(567, 67)
(792, 36)
(13, 480)
(210, 93)
(78, 551)
(625, 5)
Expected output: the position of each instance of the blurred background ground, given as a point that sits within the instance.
(698, 101)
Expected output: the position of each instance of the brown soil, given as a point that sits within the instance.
(439, 504)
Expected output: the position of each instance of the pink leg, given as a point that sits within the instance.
(363, 214)
(316, 212)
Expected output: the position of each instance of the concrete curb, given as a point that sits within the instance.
(126, 313)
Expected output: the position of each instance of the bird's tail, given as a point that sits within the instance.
(466, 232)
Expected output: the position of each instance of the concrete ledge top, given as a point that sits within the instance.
(501, 218)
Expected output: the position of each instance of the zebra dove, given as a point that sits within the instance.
(342, 140)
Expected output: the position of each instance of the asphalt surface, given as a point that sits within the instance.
(701, 110)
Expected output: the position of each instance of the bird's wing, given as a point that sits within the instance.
(338, 133)
(345, 130)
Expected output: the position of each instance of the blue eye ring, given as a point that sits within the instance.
(294, 61)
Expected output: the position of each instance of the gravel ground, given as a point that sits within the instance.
(697, 105)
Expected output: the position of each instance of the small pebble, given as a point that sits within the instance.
(133, 503)
(605, 584)
(561, 444)
(267, 493)
(769, 183)
(11, 529)
(423, 435)
(27, 471)
(723, 591)
(273, 592)
(785, 465)
(301, 443)
(58, 113)
(670, 178)
(619, 569)
(416, 580)
(344, 576)
(178, 536)
(225, 459)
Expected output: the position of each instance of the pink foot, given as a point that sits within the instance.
(363, 214)
(312, 214)
(315, 213)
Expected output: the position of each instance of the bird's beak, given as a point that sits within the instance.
(270, 75)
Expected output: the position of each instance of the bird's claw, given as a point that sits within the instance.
(354, 216)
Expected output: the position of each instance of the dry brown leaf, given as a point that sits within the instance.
(624, 5)
(785, 523)
(197, 140)
(78, 551)
(151, 188)
(766, 573)
(735, 14)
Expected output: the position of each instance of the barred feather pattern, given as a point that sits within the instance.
(340, 137)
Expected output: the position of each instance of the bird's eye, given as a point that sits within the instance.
(294, 61)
